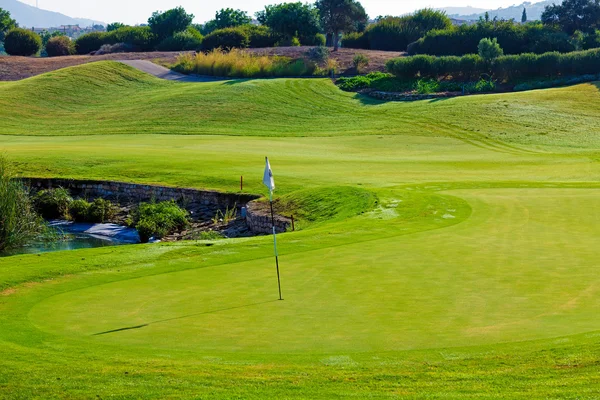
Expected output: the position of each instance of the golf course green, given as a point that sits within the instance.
(446, 249)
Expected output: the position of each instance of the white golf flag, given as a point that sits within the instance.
(268, 177)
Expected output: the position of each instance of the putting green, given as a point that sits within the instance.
(522, 267)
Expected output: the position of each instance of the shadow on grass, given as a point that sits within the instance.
(128, 328)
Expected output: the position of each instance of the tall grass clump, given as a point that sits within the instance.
(241, 64)
(19, 224)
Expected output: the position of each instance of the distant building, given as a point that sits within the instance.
(72, 31)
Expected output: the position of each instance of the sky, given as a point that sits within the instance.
(137, 11)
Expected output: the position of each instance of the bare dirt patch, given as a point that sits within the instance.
(16, 68)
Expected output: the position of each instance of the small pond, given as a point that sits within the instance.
(81, 236)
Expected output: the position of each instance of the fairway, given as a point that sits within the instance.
(474, 272)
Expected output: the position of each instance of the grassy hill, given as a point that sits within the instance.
(111, 98)
(447, 248)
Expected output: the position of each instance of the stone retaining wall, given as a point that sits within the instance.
(258, 218)
(202, 202)
(206, 202)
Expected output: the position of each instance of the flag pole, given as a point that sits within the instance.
(275, 243)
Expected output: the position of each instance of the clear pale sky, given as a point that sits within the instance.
(138, 11)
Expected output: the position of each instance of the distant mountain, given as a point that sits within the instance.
(534, 11)
(28, 16)
(463, 10)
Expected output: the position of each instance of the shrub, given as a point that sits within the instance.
(319, 54)
(182, 41)
(288, 42)
(373, 80)
(59, 46)
(89, 42)
(53, 203)
(79, 210)
(22, 42)
(505, 68)
(228, 38)
(20, 224)
(139, 38)
(489, 49)
(259, 36)
(159, 219)
(356, 40)
(427, 86)
(396, 33)
(115, 48)
(101, 210)
(241, 64)
(360, 61)
(513, 38)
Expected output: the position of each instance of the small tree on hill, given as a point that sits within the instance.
(22, 42)
(165, 24)
(60, 46)
(6, 23)
(340, 16)
(291, 20)
(524, 15)
(489, 49)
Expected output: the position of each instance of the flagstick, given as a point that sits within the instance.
(275, 242)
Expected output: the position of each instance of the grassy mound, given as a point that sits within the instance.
(111, 98)
(311, 206)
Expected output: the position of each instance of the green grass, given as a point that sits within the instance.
(442, 254)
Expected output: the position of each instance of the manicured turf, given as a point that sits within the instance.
(433, 261)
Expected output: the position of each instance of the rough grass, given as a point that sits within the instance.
(241, 64)
(111, 98)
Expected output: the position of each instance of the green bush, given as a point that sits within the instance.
(489, 49)
(182, 41)
(373, 80)
(85, 44)
(53, 203)
(140, 38)
(356, 40)
(159, 219)
(22, 42)
(79, 210)
(228, 38)
(101, 210)
(259, 36)
(427, 86)
(59, 46)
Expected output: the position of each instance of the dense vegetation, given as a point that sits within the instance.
(506, 68)
(19, 223)
(396, 33)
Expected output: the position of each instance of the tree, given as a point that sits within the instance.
(167, 23)
(489, 49)
(46, 36)
(291, 20)
(524, 15)
(230, 18)
(573, 15)
(114, 26)
(340, 16)
(6, 23)
(22, 42)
